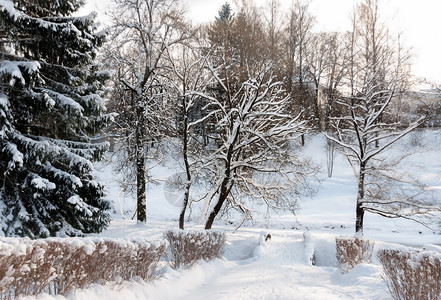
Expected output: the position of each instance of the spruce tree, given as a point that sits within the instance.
(50, 106)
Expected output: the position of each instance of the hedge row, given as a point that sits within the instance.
(412, 274)
(190, 246)
(409, 274)
(56, 266)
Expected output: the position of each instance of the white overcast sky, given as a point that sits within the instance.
(418, 20)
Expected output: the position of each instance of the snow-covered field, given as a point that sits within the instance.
(280, 268)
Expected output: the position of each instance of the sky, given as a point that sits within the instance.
(418, 20)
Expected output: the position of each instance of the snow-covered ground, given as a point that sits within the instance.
(279, 268)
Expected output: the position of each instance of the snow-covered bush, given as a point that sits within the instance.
(353, 251)
(57, 266)
(189, 246)
(412, 274)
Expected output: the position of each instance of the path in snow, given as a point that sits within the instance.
(280, 271)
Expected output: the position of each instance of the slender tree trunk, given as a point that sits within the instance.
(317, 110)
(140, 169)
(184, 206)
(330, 149)
(359, 212)
(187, 166)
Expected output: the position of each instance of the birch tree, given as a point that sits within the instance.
(144, 30)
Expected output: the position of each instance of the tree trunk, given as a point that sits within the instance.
(215, 211)
(140, 189)
(184, 206)
(222, 197)
(359, 219)
(187, 165)
(227, 182)
(140, 169)
(359, 212)
(317, 109)
(330, 151)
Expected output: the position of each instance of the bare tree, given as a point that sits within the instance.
(251, 154)
(144, 30)
(364, 131)
(251, 129)
(326, 69)
(297, 41)
(273, 30)
(190, 74)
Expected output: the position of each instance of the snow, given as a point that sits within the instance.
(4, 100)
(12, 68)
(8, 6)
(66, 102)
(42, 184)
(80, 205)
(281, 267)
(17, 156)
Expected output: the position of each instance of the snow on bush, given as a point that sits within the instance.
(57, 266)
(189, 246)
(309, 248)
(411, 274)
(353, 251)
(259, 251)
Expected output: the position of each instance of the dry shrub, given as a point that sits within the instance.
(412, 274)
(148, 258)
(71, 264)
(189, 246)
(353, 251)
(21, 267)
(58, 266)
(101, 265)
(6, 268)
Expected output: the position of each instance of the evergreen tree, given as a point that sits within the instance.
(50, 105)
(225, 14)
